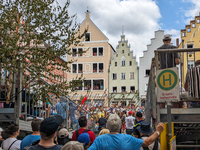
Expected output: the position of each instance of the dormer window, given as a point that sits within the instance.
(193, 25)
(183, 34)
(188, 30)
(198, 20)
(87, 36)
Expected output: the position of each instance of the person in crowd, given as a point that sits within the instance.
(1, 138)
(129, 123)
(83, 125)
(73, 145)
(72, 109)
(123, 121)
(145, 131)
(29, 139)
(61, 107)
(12, 143)
(62, 137)
(85, 139)
(102, 122)
(139, 119)
(117, 141)
(48, 132)
(172, 58)
(104, 131)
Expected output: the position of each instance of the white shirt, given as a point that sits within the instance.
(130, 122)
(6, 144)
(151, 145)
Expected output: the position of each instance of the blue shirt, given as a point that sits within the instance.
(116, 142)
(61, 109)
(28, 140)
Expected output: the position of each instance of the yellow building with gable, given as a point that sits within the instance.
(190, 38)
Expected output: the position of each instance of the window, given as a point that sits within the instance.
(77, 68)
(146, 87)
(128, 54)
(100, 51)
(123, 76)
(115, 64)
(77, 52)
(190, 46)
(130, 63)
(183, 34)
(98, 85)
(116, 55)
(193, 25)
(87, 36)
(198, 20)
(115, 89)
(123, 89)
(80, 68)
(97, 51)
(74, 68)
(188, 30)
(77, 84)
(123, 63)
(190, 64)
(122, 51)
(114, 76)
(147, 72)
(131, 75)
(132, 89)
(98, 67)
(80, 52)
(122, 44)
(87, 84)
(95, 68)
(94, 51)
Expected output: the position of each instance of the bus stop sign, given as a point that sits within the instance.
(167, 85)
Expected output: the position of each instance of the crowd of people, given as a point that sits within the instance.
(118, 127)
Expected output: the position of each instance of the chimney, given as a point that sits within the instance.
(177, 42)
(87, 14)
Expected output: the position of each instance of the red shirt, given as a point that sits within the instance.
(91, 135)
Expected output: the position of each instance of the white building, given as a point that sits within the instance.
(145, 62)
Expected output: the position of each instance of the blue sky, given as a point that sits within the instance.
(140, 18)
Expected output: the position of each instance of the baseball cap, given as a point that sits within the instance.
(50, 125)
(139, 114)
(63, 133)
(84, 138)
(167, 37)
(130, 112)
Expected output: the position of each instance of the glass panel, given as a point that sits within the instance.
(74, 52)
(94, 51)
(98, 85)
(80, 68)
(100, 51)
(100, 67)
(74, 68)
(132, 89)
(80, 52)
(123, 89)
(87, 84)
(95, 67)
(114, 89)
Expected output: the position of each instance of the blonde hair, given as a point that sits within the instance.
(73, 145)
(104, 131)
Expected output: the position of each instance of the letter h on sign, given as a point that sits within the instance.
(165, 80)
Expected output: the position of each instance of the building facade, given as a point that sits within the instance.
(190, 39)
(123, 76)
(145, 62)
(93, 65)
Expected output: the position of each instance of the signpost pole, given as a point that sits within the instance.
(169, 106)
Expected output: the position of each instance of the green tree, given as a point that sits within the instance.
(26, 26)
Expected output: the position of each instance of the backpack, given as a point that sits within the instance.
(154, 148)
(77, 133)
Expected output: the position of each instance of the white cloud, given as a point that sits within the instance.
(139, 18)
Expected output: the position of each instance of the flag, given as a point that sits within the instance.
(84, 99)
